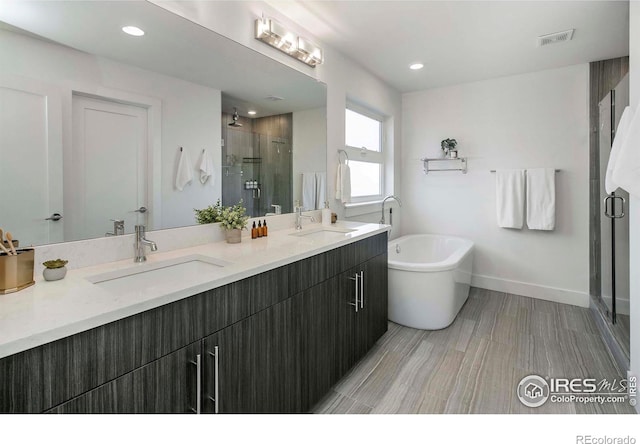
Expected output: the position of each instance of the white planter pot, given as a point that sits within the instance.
(54, 274)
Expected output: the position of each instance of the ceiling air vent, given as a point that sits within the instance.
(556, 37)
(274, 98)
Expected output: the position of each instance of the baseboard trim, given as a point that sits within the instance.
(622, 305)
(552, 294)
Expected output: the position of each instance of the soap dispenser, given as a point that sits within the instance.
(326, 214)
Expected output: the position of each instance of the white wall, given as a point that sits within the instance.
(190, 112)
(634, 210)
(533, 120)
(344, 78)
(309, 145)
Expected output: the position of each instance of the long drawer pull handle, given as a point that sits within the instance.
(216, 379)
(355, 278)
(198, 364)
(361, 289)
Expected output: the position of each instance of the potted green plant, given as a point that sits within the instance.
(449, 148)
(209, 215)
(54, 269)
(233, 220)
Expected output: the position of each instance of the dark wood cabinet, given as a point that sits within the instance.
(280, 339)
(255, 368)
(167, 385)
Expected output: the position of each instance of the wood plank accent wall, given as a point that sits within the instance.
(603, 76)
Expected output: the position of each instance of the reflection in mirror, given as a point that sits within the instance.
(94, 122)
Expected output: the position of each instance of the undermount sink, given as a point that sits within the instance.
(323, 233)
(160, 275)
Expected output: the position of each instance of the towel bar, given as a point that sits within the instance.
(493, 171)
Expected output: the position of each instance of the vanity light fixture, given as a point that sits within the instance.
(133, 30)
(416, 66)
(274, 34)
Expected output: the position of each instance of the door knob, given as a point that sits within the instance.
(54, 217)
(141, 210)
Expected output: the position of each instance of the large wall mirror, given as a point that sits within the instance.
(95, 123)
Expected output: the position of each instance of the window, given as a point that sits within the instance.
(364, 145)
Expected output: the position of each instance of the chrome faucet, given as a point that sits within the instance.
(141, 242)
(299, 217)
(390, 211)
(118, 228)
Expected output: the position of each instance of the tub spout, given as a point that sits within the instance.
(382, 221)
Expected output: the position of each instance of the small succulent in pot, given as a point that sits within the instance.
(56, 263)
(55, 269)
(448, 145)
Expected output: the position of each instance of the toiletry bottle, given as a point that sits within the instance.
(326, 214)
(254, 231)
(265, 230)
(259, 229)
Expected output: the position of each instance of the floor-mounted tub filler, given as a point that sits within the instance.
(429, 279)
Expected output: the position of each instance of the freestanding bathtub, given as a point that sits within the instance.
(429, 279)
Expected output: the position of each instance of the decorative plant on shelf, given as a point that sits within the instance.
(449, 147)
(209, 215)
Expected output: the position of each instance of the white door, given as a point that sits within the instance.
(30, 161)
(109, 165)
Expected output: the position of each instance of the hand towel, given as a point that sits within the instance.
(541, 199)
(206, 167)
(184, 175)
(621, 134)
(343, 183)
(626, 171)
(510, 198)
(308, 191)
(321, 189)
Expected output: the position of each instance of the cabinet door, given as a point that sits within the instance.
(375, 294)
(370, 320)
(255, 370)
(166, 385)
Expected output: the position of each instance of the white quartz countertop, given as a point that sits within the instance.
(48, 311)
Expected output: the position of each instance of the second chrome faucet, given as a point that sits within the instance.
(141, 243)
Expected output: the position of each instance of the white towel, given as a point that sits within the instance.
(184, 175)
(541, 199)
(621, 134)
(321, 189)
(206, 167)
(626, 171)
(510, 198)
(308, 191)
(343, 183)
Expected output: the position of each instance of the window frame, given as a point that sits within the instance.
(362, 154)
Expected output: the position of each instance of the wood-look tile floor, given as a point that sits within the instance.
(475, 364)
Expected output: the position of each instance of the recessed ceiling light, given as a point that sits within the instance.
(251, 112)
(133, 30)
(415, 66)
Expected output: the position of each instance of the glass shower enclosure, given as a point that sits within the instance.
(613, 300)
(257, 168)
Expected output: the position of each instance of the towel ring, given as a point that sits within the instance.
(345, 155)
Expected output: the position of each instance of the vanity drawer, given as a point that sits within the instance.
(306, 273)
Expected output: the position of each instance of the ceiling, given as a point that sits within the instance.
(173, 46)
(462, 41)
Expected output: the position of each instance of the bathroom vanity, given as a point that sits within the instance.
(271, 334)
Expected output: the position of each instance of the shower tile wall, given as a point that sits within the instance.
(267, 141)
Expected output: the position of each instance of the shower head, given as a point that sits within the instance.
(235, 123)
